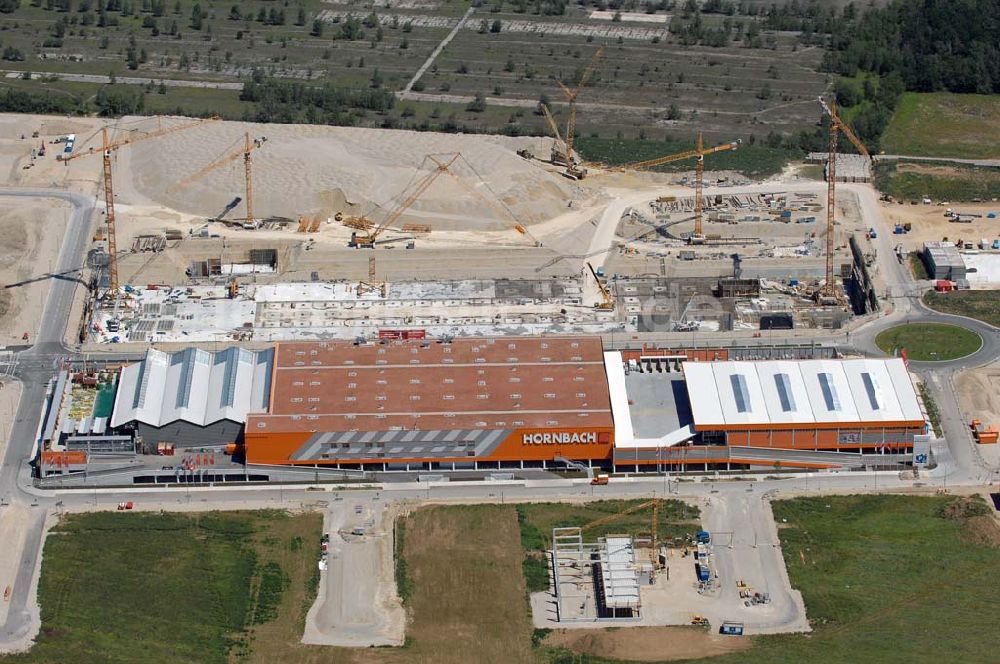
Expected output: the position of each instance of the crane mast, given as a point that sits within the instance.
(109, 204)
(837, 125)
(699, 155)
(107, 148)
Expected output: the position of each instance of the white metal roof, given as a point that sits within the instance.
(801, 392)
(193, 385)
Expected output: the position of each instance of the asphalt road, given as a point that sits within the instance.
(958, 460)
(34, 368)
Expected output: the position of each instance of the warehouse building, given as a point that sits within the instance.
(526, 402)
(944, 261)
(502, 402)
(192, 397)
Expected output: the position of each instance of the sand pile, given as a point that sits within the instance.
(307, 170)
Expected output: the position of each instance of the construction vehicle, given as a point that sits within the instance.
(829, 293)
(607, 302)
(731, 628)
(700, 621)
(984, 436)
(572, 169)
(108, 147)
(558, 155)
(699, 153)
(246, 152)
(366, 238)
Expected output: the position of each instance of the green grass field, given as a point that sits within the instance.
(981, 305)
(943, 124)
(887, 579)
(929, 342)
(754, 161)
(159, 587)
(945, 182)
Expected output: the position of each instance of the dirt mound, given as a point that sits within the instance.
(307, 169)
(647, 644)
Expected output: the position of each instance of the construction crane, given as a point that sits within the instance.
(607, 302)
(107, 148)
(246, 152)
(496, 203)
(699, 154)
(373, 285)
(365, 238)
(558, 156)
(829, 291)
(573, 170)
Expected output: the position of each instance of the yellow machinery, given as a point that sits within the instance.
(365, 237)
(558, 155)
(830, 291)
(607, 302)
(699, 154)
(107, 148)
(249, 145)
(573, 170)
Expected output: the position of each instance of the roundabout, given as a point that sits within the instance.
(929, 342)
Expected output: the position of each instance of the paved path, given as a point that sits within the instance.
(944, 160)
(440, 47)
(132, 80)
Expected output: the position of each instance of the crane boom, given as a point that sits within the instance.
(688, 154)
(249, 145)
(129, 140)
(607, 301)
(571, 96)
(698, 153)
(552, 123)
(107, 148)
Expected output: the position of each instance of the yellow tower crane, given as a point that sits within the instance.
(573, 169)
(830, 290)
(246, 152)
(107, 148)
(699, 154)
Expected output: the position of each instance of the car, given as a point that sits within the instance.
(167, 468)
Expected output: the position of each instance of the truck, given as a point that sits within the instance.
(703, 537)
(730, 628)
(984, 435)
(599, 480)
(703, 572)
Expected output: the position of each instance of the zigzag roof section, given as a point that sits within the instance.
(820, 393)
(194, 385)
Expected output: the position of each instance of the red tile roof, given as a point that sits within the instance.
(502, 382)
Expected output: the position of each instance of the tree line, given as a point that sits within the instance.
(934, 45)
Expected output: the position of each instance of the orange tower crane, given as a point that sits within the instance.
(837, 125)
(699, 154)
(246, 152)
(107, 148)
